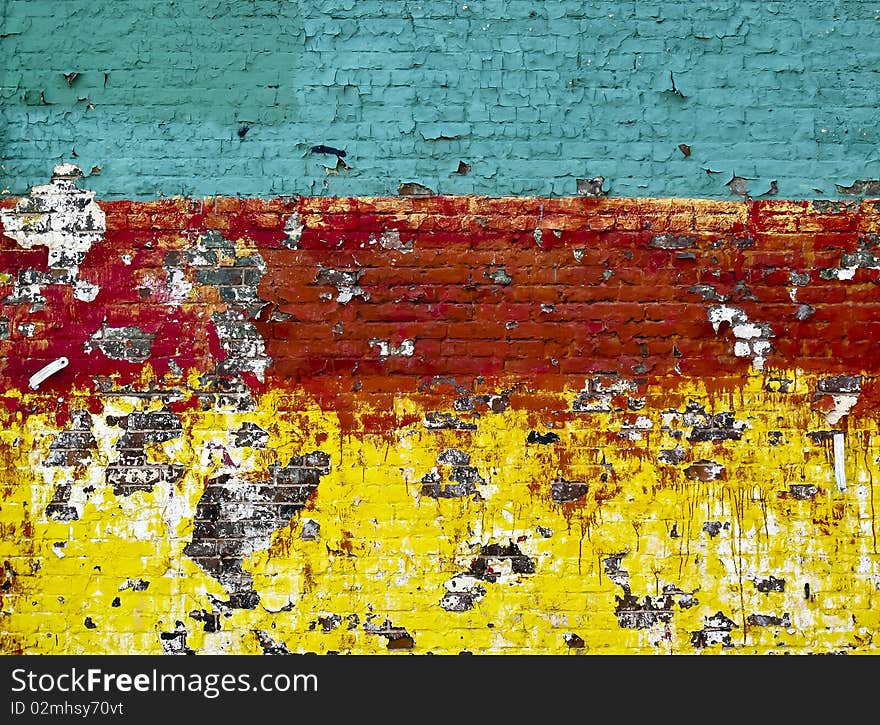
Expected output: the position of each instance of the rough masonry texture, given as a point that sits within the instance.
(260, 98)
(438, 424)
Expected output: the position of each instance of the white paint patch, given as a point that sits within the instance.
(633, 432)
(747, 331)
(843, 404)
(178, 286)
(752, 339)
(62, 218)
(386, 349)
(839, 462)
(176, 510)
(85, 291)
(140, 528)
(844, 273)
(293, 228)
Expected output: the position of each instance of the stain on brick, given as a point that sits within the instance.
(136, 585)
(802, 491)
(491, 403)
(293, 230)
(310, 530)
(672, 456)
(499, 276)
(861, 187)
(713, 528)
(74, 446)
(704, 470)
(751, 339)
(221, 391)
(672, 241)
(739, 186)
(615, 572)
(601, 392)
(59, 508)
(573, 641)
(494, 563)
(836, 396)
(414, 189)
(804, 312)
(634, 614)
(386, 349)
(390, 239)
(327, 622)
(398, 637)
(64, 219)
(591, 187)
(210, 620)
(235, 278)
(717, 427)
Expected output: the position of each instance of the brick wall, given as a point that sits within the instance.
(497, 97)
(437, 424)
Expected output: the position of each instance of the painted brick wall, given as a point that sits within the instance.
(443, 327)
(496, 425)
(212, 97)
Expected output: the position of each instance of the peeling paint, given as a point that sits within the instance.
(122, 343)
(405, 349)
(750, 339)
(62, 218)
(345, 282)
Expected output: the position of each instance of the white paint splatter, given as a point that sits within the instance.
(386, 349)
(752, 339)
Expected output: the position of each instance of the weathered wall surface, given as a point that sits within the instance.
(496, 97)
(437, 424)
